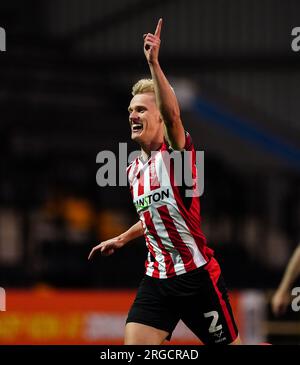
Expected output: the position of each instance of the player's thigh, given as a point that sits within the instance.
(209, 315)
(152, 310)
(141, 334)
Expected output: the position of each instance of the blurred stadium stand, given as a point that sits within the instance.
(64, 89)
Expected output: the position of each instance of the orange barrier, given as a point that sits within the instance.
(46, 316)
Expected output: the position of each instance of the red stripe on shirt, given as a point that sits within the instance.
(136, 166)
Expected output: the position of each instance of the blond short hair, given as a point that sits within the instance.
(143, 86)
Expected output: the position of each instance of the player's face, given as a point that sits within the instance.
(144, 118)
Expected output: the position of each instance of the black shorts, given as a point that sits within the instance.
(199, 298)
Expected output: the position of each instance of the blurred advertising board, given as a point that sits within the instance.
(48, 316)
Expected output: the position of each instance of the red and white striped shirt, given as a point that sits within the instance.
(171, 221)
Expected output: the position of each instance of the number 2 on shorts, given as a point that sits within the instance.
(213, 326)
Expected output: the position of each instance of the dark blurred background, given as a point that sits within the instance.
(65, 83)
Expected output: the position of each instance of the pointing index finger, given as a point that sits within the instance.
(158, 28)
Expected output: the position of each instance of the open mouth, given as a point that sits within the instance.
(137, 127)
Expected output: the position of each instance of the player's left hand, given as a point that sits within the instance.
(152, 44)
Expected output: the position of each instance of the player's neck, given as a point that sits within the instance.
(147, 148)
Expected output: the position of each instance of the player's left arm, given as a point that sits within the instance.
(165, 97)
